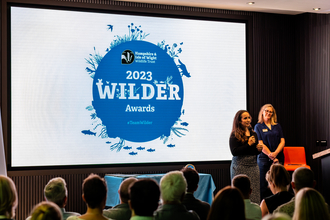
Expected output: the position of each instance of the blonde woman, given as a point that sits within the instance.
(310, 205)
(8, 198)
(278, 179)
(270, 135)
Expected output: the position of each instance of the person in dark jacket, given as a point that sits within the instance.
(122, 210)
(189, 201)
(144, 199)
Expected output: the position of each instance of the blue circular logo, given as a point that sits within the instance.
(138, 92)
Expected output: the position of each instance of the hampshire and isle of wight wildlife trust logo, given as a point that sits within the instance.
(127, 57)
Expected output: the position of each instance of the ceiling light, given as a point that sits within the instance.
(250, 3)
(316, 9)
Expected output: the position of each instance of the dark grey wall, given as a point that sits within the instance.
(313, 93)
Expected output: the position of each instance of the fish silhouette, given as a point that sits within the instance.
(140, 148)
(171, 145)
(127, 148)
(88, 132)
(132, 153)
(151, 150)
(183, 69)
(184, 124)
(108, 142)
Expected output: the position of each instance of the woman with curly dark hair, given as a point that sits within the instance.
(244, 147)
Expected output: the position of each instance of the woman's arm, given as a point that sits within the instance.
(282, 141)
(278, 149)
(264, 208)
(265, 149)
(238, 148)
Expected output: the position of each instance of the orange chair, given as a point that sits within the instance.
(294, 157)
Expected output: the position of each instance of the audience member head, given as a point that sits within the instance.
(278, 176)
(309, 205)
(277, 216)
(8, 197)
(237, 123)
(273, 119)
(243, 183)
(144, 197)
(123, 189)
(46, 211)
(191, 177)
(173, 187)
(302, 177)
(94, 191)
(55, 191)
(228, 204)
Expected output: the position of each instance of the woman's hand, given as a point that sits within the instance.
(272, 155)
(260, 147)
(252, 140)
(275, 161)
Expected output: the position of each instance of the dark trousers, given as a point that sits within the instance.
(264, 165)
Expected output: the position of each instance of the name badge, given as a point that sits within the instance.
(264, 130)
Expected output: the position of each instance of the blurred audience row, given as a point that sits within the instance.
(173, 199)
